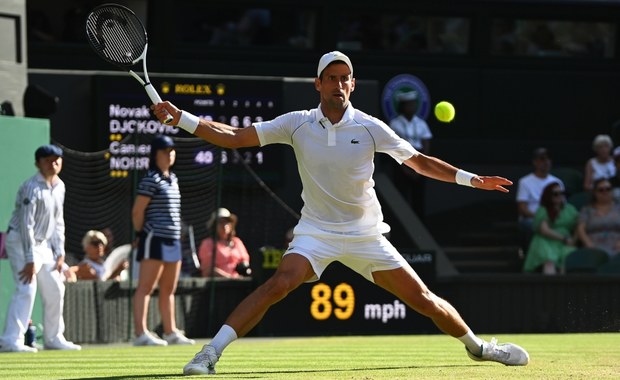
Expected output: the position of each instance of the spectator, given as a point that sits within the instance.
(529, 192)
(599, 221)
(92, 267)
(602, 165)
(36, 249)
(156, 216)
(414, 129)
(615, 180)
(231, 257)
(554, 224)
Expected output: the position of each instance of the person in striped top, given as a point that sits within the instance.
(156, 217)
(36, 248)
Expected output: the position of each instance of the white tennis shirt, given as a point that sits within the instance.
(336, 165)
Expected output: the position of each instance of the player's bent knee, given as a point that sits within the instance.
(278, 286)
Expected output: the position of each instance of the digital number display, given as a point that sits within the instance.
(208, 157)
(122, 109)
(341, 301)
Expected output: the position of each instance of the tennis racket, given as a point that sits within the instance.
(118, 36)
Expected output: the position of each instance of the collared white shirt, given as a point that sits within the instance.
(414, 131)
(336, 165)
(39, 215)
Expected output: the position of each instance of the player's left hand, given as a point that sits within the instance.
(491, 183)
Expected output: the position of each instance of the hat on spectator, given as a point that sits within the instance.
(46, 151)
(540, 153)
(221, 213)
(161, 142)
(333, 56)
(407, 96)
(94, 235)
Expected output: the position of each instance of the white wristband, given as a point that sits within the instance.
(464, 178)
(188, 122)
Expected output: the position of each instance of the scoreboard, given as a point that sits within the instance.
(124, 119)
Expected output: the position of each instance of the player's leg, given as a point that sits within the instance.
(294, 269)
(404, 283)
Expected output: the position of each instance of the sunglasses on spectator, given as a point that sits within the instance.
(96, 243)
(603, 189)
(557, 193)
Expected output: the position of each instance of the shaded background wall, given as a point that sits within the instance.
(13, 54)
(509, 98)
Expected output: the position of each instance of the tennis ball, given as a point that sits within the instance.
(444, 112)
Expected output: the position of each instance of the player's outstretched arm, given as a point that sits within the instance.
(214, 132)
(440, 170)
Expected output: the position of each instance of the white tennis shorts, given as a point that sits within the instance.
(363, 254)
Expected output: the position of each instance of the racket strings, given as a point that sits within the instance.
(116, 34)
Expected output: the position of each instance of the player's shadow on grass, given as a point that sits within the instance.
(262, 374)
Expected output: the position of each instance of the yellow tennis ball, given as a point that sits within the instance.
(444, 112)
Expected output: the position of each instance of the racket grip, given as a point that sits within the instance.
(152, 93)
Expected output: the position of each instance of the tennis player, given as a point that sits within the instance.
(341, 220)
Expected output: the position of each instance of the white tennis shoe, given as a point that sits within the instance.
(16, 348)
(62, 344)
(149, 339)
(505, 353)
(203, 363)
(177, 337)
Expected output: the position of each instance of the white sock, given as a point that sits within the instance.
(223, 338)
(472, 342)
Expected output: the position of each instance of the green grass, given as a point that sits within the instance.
(552, 356)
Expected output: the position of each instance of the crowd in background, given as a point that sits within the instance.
(561, 231)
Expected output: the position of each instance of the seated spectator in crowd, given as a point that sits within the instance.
(602, 165)
(599, 221)
(231, 257)
(554, 224)
(529, 191)
(92, 266)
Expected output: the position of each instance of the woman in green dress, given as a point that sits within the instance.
(554, 226)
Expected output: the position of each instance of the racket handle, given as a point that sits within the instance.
(152, 93)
